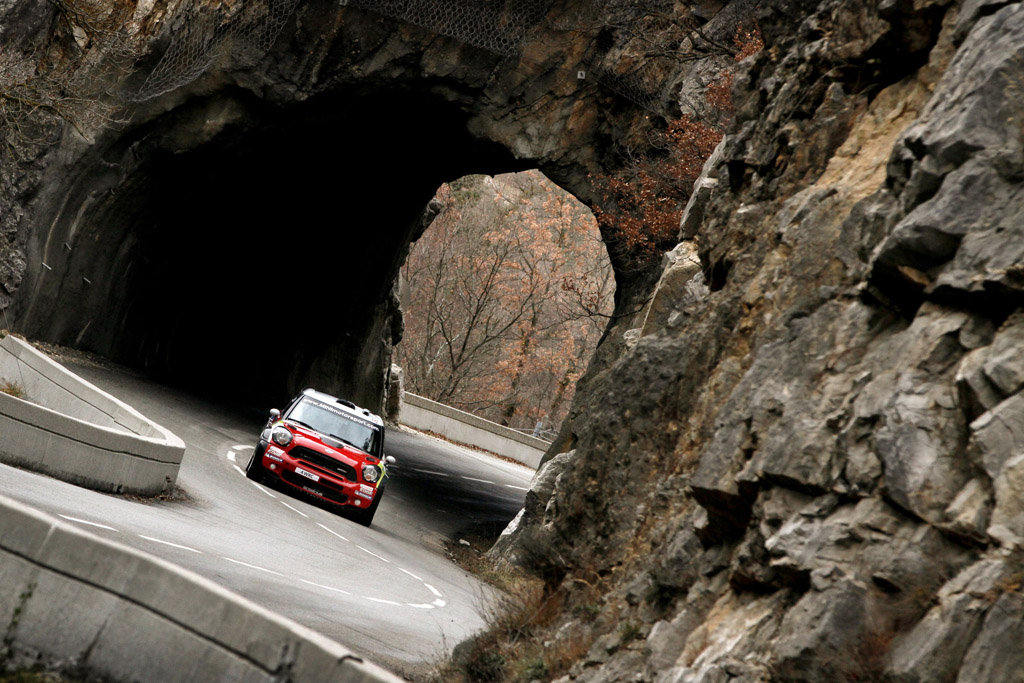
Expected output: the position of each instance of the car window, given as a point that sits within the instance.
(331, 421)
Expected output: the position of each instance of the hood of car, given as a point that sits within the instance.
(329, 446)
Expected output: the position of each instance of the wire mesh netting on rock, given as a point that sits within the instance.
(499, 26)
(204, 35)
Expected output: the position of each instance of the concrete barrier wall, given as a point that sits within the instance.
(426, 415)
(74, 431)
(69, 599)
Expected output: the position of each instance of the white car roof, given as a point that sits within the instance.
(355, 411)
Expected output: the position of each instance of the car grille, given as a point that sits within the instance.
(312, 486)
(324, 462)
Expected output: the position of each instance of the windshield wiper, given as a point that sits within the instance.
(300, 422)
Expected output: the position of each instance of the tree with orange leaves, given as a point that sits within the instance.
(494, 321)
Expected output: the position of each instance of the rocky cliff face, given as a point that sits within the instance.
(808, 467)
(802, 460)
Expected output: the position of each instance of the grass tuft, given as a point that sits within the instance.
(12, 389)
(522, 641)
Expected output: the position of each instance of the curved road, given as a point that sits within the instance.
(387, 592)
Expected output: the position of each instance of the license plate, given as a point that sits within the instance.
(307, 475)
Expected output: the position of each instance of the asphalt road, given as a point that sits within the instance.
(387, 592)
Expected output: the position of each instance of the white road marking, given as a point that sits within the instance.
(368, 552)
(243, 447)
(520, 488)
(437, 594)
(242, 472)
(410, 574)
(231, 455)
(332, 532)
(328, 588)
(438, 474)
(261, 488)
(173, 545)
(383, 602)
(482, 481)
(95, 524)
(252, 566)
(294, 509)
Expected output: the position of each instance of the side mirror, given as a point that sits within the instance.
(274, 413)
(390, 459)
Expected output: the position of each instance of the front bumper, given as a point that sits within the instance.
(315, 480)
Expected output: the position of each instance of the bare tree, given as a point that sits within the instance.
(492, 326)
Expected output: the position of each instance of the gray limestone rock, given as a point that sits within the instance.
(1005, 367)
(918, 424)
(525, 540)
(719, 645)
(820, 632)
(1007, 523)
(998, 435)
(24, 23)
(678, 564)
(993, 370)
(964, 233)
(977, 392)
(396, 389)
(862, 445)
(996, 654)
(969, 513)
(703, 188)
(870, 542)
(931, 651)
(680, 290)
(666, 641)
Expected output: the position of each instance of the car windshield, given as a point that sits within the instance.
(331, 421)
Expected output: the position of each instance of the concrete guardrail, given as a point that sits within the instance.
(71, 600)
(429, 416)
(74, 431)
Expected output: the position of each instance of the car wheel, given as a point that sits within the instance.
(255, 470)
(364, 517)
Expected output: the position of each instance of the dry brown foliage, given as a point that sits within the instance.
(643, 203)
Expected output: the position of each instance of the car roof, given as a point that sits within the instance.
(345, 406)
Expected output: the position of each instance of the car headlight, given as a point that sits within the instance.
(371, 473)
(281, 436)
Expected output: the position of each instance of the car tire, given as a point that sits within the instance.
(255, 470)
(365, 517)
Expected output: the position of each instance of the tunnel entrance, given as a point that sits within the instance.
(265, 257)
(243, 235)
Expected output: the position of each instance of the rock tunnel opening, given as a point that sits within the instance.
(263, 258)
(505, 297)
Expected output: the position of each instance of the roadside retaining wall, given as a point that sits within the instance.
(74, 431)
(429, 416)
(71, 600)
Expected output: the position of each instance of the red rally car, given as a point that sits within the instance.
(328, 448)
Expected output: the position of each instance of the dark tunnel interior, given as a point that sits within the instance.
(266, 257)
